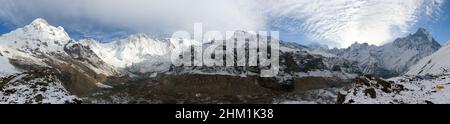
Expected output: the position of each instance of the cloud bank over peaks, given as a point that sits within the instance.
(342, 22)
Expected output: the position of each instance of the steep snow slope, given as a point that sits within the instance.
(40, 46)
(34, 40)
(38, 87)
(296, 61)
(127, 52)
(37, 36)
(5, 67)
(426, 82)
(405, 52)
(399, 90)
(27, 43)
(436, 64)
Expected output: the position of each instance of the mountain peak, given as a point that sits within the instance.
(39, 24)
(36, 34)
(39, 21)
(419, 39)
(41, 28)
(359, 45)
(422, 32)
(136, 37)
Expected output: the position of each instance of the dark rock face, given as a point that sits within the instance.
(370, 86)
(207, 89)
(73, 71)
(35, 87)
(370, 92)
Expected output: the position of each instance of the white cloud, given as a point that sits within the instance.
(138, 15)
(342, 22)
(334, 22)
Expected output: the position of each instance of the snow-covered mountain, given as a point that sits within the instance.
(436, 64)
(398, 90)
(135, 49)
(40, 63)
(141, 54)
(38, 36)
(83, 67)
(391, 59)
(426, 82)
(28, 43)
(35, 87)
(40, 46)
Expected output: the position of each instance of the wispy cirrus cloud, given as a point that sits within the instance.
(337, 23)
(147, 16)
(342, 22)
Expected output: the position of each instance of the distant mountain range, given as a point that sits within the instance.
(40, 63)
(391, 59)
(426, 82)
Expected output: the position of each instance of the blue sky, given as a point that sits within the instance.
(440, 28)
(336, 23)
